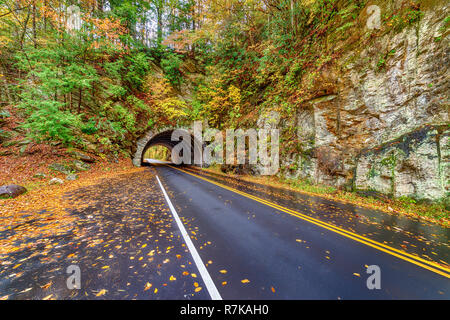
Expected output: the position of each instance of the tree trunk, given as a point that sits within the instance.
(24, 31)
(100, 5)
(292, 17)
(34, 23)
(80, 96)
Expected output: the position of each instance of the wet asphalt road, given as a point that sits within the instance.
(285, 257)
(127, 245)
(124, 242)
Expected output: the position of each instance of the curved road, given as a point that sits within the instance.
(284, 256)
(165, 232)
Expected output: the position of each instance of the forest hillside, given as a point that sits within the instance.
(361, 107)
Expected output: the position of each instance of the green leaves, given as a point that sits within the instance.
(137, 66)
(171, 63)
(48, 122)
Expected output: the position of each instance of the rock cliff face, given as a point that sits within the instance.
(383, 123)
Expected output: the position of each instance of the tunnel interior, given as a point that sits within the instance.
(165, 139)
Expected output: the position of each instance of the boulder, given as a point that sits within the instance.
(39, 175)
(11, 191)
(80, 165)
(60, 168)
(82, 157)
(71, 177)
(56, 181)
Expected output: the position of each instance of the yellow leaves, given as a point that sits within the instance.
(16, 266)
(193, 275)
(197, 288)
(143, 246)
(185, 273)
(234, 95)
(105, 267)
(245, 281)
(48, 297)
(101, 293)
(155, 291)
(356, 274)
(178, 256)
(223, 271)
(172, 278)
(48, 285)
(166, 261)
(164, 98)
(147, 286)
(224, 283)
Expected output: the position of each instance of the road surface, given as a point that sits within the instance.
(181, 233)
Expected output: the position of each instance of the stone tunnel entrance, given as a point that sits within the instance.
(164, 138)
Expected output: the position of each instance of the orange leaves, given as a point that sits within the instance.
(197, 287)
(147, 286)
(107, 31)
(101, 293)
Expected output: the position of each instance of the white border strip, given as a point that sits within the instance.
(210, 286)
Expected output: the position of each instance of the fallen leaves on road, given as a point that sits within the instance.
(101, 293)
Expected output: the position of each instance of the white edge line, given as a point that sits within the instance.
(210, 286)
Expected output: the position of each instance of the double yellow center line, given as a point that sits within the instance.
(429, 265)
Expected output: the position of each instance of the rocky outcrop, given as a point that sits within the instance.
(411, 165)
(11, 191)
(379, 118)
(81, 156)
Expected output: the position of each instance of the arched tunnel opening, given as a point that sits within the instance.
(186, 143)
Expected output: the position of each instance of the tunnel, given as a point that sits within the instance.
(164, 138)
